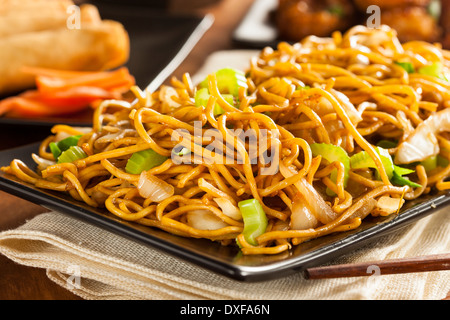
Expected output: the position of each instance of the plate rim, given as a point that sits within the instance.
(256, 16)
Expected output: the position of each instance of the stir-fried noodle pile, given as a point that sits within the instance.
(319, 135)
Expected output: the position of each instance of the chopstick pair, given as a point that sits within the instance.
(438, 262)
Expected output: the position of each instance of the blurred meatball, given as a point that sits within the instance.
(298, 19)
(389, 4)
(412, 23)
(445, 22)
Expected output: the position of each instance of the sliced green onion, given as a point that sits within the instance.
(144, 160)
(72, 154)
(58, 147)
(56, 151)
(403, 181)
(408, 66)
(255, 220)
(441, 161)
(430, 163)
(202, 96)
(399, 180)
(434, 70)
(229, 81)
(332, 153)
(68, 142)
(395, 173)
(387, 144)
(364, 160)
(402, 171)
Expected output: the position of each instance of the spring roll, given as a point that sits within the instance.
(94, 47)
(13, 7)
(23, 21)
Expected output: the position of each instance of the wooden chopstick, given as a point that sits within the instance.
(436, 262)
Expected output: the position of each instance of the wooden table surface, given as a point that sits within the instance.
(19, 282)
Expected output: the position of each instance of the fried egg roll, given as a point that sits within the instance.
(20, 20)
(94, 47)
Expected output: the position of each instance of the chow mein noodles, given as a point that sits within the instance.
(310, 140)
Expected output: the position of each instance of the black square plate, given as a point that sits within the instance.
(227, 261)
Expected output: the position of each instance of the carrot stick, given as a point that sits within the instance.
(27, 108)
(66, 74)
(61, 92)
(5, 106)
(101, 79)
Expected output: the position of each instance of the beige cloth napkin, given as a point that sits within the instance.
(97, 264)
